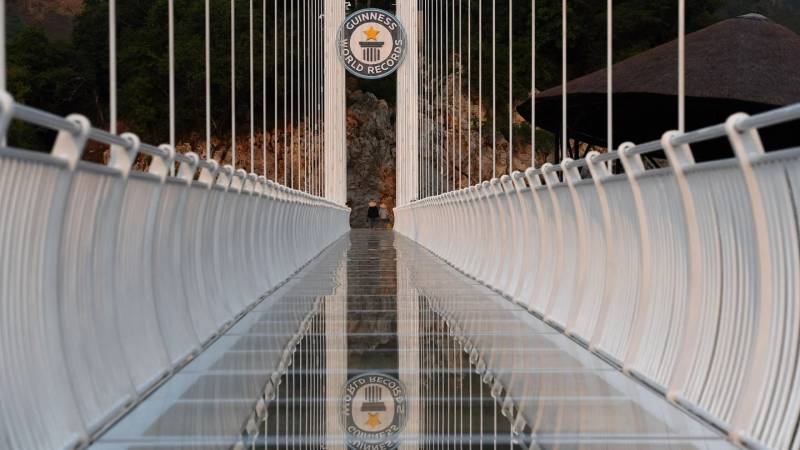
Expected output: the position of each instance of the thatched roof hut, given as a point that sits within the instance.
(748, 64)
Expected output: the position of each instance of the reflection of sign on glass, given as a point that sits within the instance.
(372, 43)
(373, 411)
(373, 401)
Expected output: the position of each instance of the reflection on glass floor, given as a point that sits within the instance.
(475, 371)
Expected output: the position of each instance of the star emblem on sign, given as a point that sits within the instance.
(372, 34)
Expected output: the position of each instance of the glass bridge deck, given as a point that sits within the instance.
(377, 305)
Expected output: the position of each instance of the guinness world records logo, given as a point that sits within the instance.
(371, 43)
(373, 411)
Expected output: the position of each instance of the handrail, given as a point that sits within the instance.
(44, 119)
(35, 116)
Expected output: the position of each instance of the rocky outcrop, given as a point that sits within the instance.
(371, 152)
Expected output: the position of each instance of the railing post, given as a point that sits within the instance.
(634, 167)
(68, 146)
(571, 176)
(160, 166)
(533, 286)
(187, 169)
(600, 173)
(680, 157)
(752, 406)
(551, 180)
(122, 159)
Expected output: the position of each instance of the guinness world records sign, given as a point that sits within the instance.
(371, 43)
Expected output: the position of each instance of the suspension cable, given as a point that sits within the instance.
(3, 83)
(427, 117)
(610, 78)
(171, 57)
(275, 85)
(304, 96)
(681, 65)
(448, 111)
(310, 114)
(298, 92)
(264, 87)
(208, 78)
(460, 96)
(426, 102)
(233, 84)
(451, 104)
(252, 97)
(440, 121)
(112, 66)
(564, 142)
(510, 88)
(285, 103)
(469, 92)
(494, 89)
(291, 92)
(533, 83)
(480, 91)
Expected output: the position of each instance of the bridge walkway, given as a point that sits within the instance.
(477, 370)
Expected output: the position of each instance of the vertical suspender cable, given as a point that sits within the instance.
(425, 159)
(2, 45)
(610, 79)
(440, 122)
(311, 94)
(428, 95)
(233, 83)
(312, 89)
(208, 80)
(446, 95)
(305, 100)
(442, 95)
(171, 51)
(298, 92)
(434, 138)
(460, 96)
(275, 85)
(510, 88)
(681, 65)
(435, 44)
(450, 97)
(564, 142)
(317, 66)
(452, 104)
(423, 33)
(264, 86)
(112, 66)
(533, 83)
(431, 93)
(469, 93)
(302, 12)
(480, 91)
(494, 89)
(291, 91)
(252, 99)
(319, 91)
(318, 101)
(285, 106)
(312, 100)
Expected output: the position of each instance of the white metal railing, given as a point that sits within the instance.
(111, 279)
(687, 277)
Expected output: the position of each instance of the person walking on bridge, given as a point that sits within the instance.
(372, 214)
